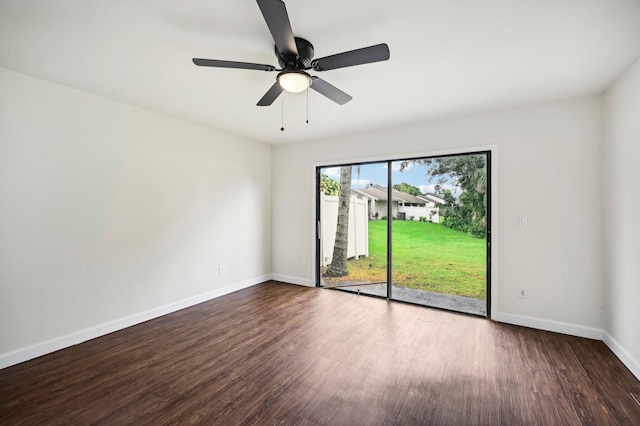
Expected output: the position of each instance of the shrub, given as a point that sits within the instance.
(460, 219)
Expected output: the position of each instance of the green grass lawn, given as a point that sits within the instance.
(426, 256)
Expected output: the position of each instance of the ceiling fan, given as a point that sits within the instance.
(295, 56)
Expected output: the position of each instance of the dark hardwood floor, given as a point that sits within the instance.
(284, 354)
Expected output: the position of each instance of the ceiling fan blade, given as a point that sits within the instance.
(271, 95)
(232, 64)
(330, 91)
(275, 14)
(366, 55)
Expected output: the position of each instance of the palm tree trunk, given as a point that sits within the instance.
(338, 266)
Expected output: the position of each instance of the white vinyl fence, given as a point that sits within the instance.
(358, 228)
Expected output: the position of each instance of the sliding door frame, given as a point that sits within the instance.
(487, 152)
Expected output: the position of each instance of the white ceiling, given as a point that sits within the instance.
(447, 57)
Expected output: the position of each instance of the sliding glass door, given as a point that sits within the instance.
(415, 230)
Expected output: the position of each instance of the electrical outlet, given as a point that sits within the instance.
(523, 293)
(524, 221)
(220, 271)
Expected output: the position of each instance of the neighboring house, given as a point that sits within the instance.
(438, 200)
(403, 206)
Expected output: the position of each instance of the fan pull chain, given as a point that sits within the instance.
(282, 115)
(307, 105)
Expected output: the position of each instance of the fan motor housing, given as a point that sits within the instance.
(302, 61)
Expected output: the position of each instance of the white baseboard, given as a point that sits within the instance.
(293, 280)
(547, 325)
(632, 364)
(24, 354)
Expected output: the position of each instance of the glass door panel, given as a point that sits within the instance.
(352, 228)
(439, 232)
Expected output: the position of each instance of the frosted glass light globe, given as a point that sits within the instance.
(294, 81)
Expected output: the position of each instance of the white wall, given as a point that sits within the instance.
(547, 152)
(107, 211)
(622, 214)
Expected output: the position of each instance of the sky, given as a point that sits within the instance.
(376, 173)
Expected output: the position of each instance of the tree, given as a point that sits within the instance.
(469, 173)
(449, 199)
(338, 266)
(329, 186)
(407, 188)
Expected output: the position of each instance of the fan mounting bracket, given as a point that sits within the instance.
(300, 62)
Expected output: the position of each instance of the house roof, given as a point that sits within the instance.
(378, 192)
(433, 198)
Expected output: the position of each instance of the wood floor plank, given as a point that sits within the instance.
(590, 408)
(283, 354)
(613, 382)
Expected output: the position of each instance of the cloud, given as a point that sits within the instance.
(333, 172)
(431, 189)
(395, 166)
(360, 182)
(427, 189)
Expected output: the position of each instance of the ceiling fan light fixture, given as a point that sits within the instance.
(294, 81)
(295, 55)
